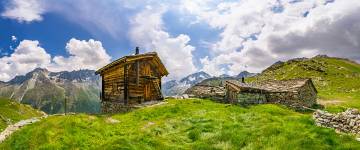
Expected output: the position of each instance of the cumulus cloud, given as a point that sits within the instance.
(24, 10)
(147, 31)
(83, 55)
(26, 57)
(13, 38)
(29, 55)
(257, 33)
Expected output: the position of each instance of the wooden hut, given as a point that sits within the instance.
(131, 80)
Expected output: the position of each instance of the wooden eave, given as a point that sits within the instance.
(131, 59)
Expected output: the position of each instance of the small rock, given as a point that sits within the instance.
(352, 122)
(185, 96)
(112, 121)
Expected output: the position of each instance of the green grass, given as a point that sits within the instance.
(183, 124)
(337, 80)
(12, 112)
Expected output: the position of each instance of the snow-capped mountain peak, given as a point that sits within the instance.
(175, 87)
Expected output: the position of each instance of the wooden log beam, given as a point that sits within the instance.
(126, 94)
(102, 88)
(137, 72)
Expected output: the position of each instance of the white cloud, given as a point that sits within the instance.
(13, 38)
(26, 57)
(83, 55)
(30, 55)
(24, 10)
(147, 31)
(254, 35)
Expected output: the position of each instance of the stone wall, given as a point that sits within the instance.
(290, 99)
(348, 121)
(251, 98)
(114, 107)
(305, 96)
(205, 91)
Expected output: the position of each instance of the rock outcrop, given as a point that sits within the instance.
(12, 128)
(348, 121)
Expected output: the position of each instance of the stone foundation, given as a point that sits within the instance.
(114, 107)
(251, 98)
(348, 121)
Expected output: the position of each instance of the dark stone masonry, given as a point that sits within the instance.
(206, 91)
(296, 93)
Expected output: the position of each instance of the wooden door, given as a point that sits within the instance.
(147, 92)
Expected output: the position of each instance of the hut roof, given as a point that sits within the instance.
(291, 85)
(239, 86)
(131, 58)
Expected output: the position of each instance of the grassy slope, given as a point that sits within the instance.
(337, 80)
(183, 124)
(14, 112)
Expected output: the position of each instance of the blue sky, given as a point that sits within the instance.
(189, 35)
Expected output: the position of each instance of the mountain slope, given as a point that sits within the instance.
(12, 112)
(183, 124)
(337, 79)
(47, 90)
(245, 74)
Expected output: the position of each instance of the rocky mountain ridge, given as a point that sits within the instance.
(47, 90)
(174, 87)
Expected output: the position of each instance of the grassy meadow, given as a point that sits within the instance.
(183, 124)
(12, 112)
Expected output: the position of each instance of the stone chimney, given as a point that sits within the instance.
(137, 50)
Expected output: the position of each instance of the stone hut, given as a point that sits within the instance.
(294, 92)
(131, 80)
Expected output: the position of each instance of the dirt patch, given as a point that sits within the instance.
(329, 102)
(157, 104)
(92, 118)
(149, 124)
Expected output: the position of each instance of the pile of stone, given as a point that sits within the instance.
(348, 121)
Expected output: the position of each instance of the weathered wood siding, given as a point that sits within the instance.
(113, 84)
(142, 84)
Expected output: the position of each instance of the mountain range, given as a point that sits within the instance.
(174, 87)
(47, 90)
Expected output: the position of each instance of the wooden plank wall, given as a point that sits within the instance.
(113, 87)
(114, 84)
